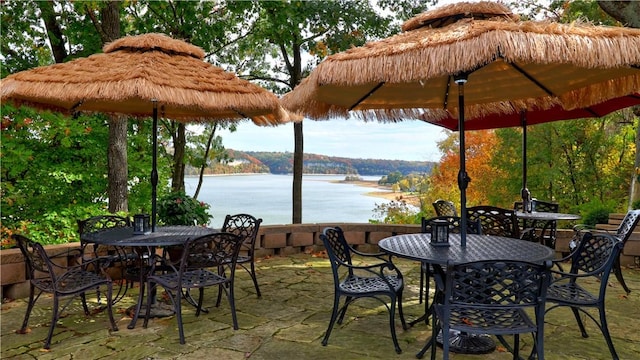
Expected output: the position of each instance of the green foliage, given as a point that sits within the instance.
(635, 205)
(177, 208)
(595, 213)
(396, 212)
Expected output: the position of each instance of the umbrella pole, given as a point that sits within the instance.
(463, 177)
(154, 166)
(526, 195)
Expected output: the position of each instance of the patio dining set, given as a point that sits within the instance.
(498, 284)
(177, 258)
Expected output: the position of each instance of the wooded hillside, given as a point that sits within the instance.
(282, 163)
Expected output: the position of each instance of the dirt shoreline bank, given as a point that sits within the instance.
(386, 194)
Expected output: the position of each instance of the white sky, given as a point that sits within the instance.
(407, 140)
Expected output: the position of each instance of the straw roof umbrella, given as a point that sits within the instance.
(499, 64)
(139, 76)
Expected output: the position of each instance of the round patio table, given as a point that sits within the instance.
(479, 247)
(164, 236)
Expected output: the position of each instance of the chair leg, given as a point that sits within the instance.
(401, 312)
(576, 314)
(422, 270)
(136, 314)
(32, 302)
(255, 280)
(334, 316)
(516, 347)
(54, 320)
(178, 307)
(114, 327)
(605, 331)
(617, 270)
(392, 325)
(232, 305)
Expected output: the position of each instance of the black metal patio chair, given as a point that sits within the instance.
(491, 297)
(370, 280)
(62, 282)
(117, 260)
(247, 227)
(219, 250)
(592, 260)
(623, 233)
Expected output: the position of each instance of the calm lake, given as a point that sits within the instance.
(268, 197)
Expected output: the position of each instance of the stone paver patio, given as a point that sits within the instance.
(288, 322)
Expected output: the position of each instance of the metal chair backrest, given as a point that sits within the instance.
(445, 208)
(218, 249)
(36, 258)
(244, 225)
(337, 247)
(627, 225)
(102, 222)
(494, 220)
(473, 227)
(595, 254)
(496, 283)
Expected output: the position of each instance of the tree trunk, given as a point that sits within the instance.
(298, 161)
(117, 165)
(108, 27)
(53, 30)
(205, 162)
(179, 144)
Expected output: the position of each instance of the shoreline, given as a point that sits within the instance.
(388, 194)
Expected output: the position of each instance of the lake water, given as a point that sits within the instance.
(269, 196)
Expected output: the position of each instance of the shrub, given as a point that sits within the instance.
(177, 208)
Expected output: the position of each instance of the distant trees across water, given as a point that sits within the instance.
(282, 163)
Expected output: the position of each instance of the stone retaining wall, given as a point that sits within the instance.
(272, 240)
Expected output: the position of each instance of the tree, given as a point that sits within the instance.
(288, 38)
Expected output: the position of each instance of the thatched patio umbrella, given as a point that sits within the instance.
(139, 76)
(499, 64)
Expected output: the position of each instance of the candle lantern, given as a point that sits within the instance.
(141, 224)
(439, 232)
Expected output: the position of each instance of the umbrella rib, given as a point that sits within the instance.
(366, 95)
(446, 93)
(531, 78)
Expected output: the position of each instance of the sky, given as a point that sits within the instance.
(410, 140)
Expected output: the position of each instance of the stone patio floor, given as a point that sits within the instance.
(288, 322)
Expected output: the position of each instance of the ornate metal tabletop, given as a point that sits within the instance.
(479, 247)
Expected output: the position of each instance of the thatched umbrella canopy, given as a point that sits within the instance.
(500, 65)
(139, 76)
(512, 65)
(135, 70)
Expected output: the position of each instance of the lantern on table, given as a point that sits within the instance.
(141, 224)
(439, 232)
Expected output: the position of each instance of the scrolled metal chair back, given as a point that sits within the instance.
(35, 257)
(627, 225)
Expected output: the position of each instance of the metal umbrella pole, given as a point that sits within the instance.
(463, 177)
(154, 167)
(525, 193)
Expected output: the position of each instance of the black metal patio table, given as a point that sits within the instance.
(479, 247)
(164, 236)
